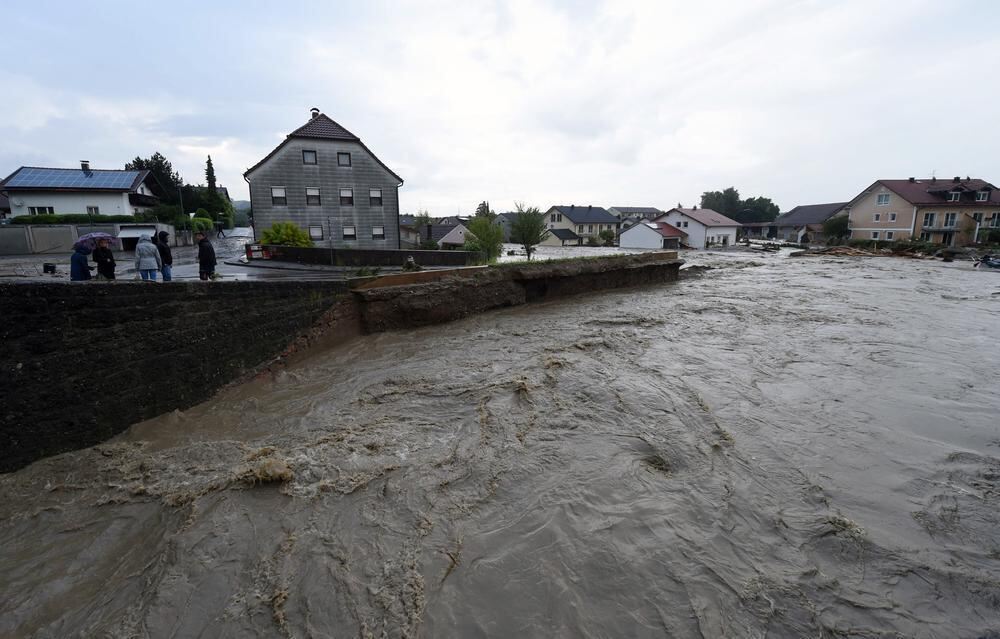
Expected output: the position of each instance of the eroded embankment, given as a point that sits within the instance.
(758, 452)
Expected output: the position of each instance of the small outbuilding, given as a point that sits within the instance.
(562, 237)
(652, 235)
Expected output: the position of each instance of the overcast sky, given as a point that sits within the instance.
(605, 103)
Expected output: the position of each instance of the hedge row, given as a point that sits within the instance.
(71, 218)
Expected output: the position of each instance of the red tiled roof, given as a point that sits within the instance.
(930, 191)
(666, 229)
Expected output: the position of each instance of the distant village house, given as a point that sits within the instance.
(50, 191)
(704, 227)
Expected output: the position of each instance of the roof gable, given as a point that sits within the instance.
(934, 192)
(322, 127)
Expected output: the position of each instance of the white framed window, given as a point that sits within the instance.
(347, 197)
(378, 232)
(309, 157)
(343, 158)
(312, 196)
(590, 228)
(877, 217)
(350, 233)
(928, 219)
(889, 235)
(995, 220)
(93, 210)
(41, 210)
(982, 196)
(925, 236)
(892, 217)
(374, 197)
(978, 217)
(315, 232)
(949, 219)
(882, 200)
(954, 196)
(579, 228)
(685, 224)
(278, 196)
(874, 235)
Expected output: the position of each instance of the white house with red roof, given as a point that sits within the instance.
(652, 235)
(704, 227)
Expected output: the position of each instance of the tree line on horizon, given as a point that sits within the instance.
(203, 199)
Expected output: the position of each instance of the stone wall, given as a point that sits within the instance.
(83, 361)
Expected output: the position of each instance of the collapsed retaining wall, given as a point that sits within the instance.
(82, 362)
(471, 291)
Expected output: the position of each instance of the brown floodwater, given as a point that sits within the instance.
(783, 447)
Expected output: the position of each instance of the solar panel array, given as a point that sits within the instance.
(71, 179)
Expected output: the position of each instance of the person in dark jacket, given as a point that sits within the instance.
(105, 261)
(166, 258)
(79, 269)
(206, 257)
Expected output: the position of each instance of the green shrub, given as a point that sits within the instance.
(607, 237)
(593, 241)
(285, 234)
(202, 224)
(428, 245)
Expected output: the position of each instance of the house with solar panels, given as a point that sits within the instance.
(325, 180)
(35, 190)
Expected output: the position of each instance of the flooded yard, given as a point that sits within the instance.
(781, 447)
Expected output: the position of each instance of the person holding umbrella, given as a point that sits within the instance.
(105, 260)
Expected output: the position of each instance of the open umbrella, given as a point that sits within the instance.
(90, 239)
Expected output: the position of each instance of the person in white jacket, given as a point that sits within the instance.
(147, 259)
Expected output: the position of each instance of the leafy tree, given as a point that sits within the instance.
(486, 236)
(285, 234)
(761, 209)
(836, 228)
(608, 237)
(728, 202)
(164, 173)
(210, 174)
(528, 228)
(483, 210)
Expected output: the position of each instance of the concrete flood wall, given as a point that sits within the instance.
(83, 361)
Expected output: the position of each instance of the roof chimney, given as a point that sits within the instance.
(315, 112)
(912, 180)
(956, 179)
(85, 165)
(933, 179)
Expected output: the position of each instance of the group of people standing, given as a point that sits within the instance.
(152, 255)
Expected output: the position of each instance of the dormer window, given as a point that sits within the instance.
(982, 196)
(954, 196)
(309, 157)
(883, 199)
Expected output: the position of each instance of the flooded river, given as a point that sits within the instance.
(778, 447)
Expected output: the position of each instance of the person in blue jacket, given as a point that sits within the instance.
(79, 268)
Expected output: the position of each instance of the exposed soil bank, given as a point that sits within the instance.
(82, 362)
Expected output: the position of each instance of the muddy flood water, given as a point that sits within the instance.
(782, 447)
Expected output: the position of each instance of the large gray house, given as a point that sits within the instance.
(324, 179)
